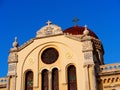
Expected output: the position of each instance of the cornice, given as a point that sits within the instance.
(29, 42)
(3, 86)
(109, 73)
(25, 44)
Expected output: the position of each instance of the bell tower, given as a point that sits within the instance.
(12, 66)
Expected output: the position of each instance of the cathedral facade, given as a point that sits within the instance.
(60, 60)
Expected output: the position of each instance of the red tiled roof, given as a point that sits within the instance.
(78, 30)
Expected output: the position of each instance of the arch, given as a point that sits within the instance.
(51, 68)
(70, 64)
(24, 60)
(43, 68)
(48, 44)
(45, 80)
(29, 80)
(55, 79)
(72, 79)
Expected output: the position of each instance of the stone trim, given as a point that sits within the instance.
(48, 30)
(29, 42)
(3, 86)
(3, 82)
(108, 86)
(109, 73)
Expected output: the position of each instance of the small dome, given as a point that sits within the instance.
(78, 30)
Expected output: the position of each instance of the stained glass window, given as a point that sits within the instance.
(29, 81)
(55, 79)
(49, 56)
(72, 82)
(45, 79)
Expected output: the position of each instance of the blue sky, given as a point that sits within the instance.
(22, 18)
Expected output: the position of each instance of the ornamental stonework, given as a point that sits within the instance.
(88, 56)
(48, 30)
(68, 55)
(12, 69)
(13, 57)
(86, 46)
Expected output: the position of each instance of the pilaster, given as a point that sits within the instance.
(87, 49)
(50, 80)
(87, 83)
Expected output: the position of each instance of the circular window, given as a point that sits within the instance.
(49, 55)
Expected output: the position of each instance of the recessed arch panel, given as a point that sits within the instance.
(72, 79)
(55, 79)
(29, 80)
(45, 80)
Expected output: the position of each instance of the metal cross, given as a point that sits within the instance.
(75, 20)
(48, 23)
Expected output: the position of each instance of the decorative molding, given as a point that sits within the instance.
(88, 56)
(25, 44)
(112, 79)
(13, 57)
(49, 30)
(112, 86)
(68, 55)
(58, 32)
(74, 37)
(109, 69)
(3, 86)
(12, 69)
(87, 46)
(88, 65)
(97, 44)
(3, 82)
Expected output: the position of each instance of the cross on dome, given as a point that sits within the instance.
(48, 22)
(75, 20)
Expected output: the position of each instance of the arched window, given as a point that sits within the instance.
(72, 81)
(45, 79)
(55, 79)
(29, 80)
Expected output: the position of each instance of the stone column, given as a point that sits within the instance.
(93, 77)
(15, 82)
(8, 83)
(87, 83)
(87, 49)
(50, 80)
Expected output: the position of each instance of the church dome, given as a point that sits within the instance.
(78, 30)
